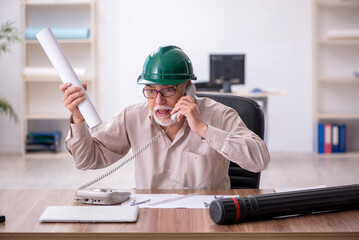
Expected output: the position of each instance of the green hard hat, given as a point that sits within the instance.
(168, 65)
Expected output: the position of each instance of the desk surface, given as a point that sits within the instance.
(23, 208)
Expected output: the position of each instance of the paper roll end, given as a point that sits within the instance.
(45, 31)
(94, 124)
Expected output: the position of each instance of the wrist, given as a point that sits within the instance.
(75, 119)
(202, 130)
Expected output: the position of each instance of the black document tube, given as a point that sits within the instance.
(249, 208)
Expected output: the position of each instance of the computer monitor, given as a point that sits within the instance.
(227, 69)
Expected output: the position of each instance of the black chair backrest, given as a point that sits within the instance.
(252, 115)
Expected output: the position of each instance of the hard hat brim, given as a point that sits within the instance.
(141, 80)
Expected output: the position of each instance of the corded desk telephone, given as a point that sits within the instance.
(108, 196)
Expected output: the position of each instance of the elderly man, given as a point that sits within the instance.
(197, 145)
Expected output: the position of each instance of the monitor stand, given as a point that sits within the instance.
(226, 85)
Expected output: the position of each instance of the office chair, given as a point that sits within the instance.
(252, 115)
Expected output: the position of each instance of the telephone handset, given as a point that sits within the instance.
(108, 196)
(189, 91)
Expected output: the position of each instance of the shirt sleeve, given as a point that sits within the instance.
(100, 149)
(233, 140)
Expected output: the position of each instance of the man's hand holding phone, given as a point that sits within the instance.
(73, 96)
(188, 108)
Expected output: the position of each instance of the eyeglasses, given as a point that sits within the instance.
(165, 92)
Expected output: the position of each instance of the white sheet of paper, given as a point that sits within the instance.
(283, 189)
(194, 201)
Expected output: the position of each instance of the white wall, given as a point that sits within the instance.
(10, 82)
(275, 35)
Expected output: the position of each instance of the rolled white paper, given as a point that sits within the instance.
(67, 74)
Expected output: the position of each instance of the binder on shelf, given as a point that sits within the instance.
(331, 138)
(335, 138)
(342, 138)
(327, 138)
(41, 148)
(320, 138)
(60, 33)
(43, 142)
(53, 135)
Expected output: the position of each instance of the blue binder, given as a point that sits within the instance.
(342, 138)
(320, 138)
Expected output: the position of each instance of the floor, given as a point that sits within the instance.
(286, 170)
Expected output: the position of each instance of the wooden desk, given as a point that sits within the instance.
(23, 208)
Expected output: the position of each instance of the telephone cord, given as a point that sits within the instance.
(138, 152)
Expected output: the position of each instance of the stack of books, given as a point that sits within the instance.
(331, 138)
(43, 142)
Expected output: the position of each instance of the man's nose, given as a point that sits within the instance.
(160, 99)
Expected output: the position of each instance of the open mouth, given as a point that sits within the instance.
(163, 113)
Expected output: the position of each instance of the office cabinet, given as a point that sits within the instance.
(336, 68)
(42, 107)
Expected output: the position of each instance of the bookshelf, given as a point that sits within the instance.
(42, 107)
(336, 68)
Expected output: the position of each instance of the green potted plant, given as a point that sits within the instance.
(8, 35)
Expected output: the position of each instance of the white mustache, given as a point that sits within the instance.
(162, 107)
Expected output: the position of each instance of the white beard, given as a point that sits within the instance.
(164, 122)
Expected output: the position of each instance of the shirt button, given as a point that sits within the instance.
(168, 170)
